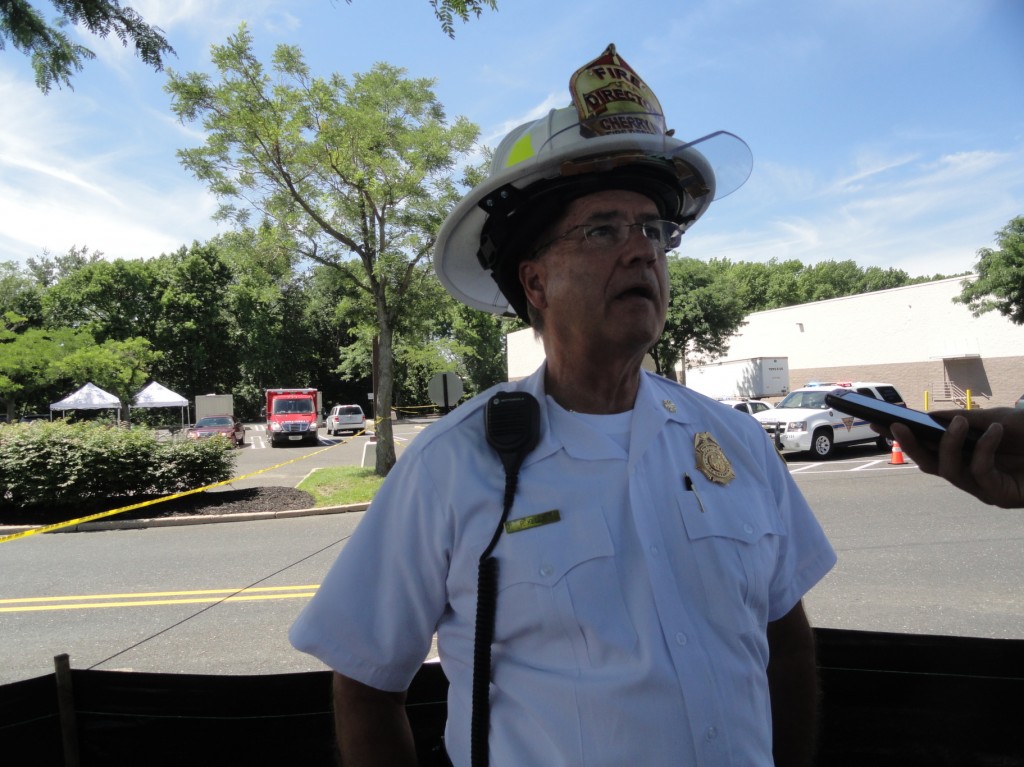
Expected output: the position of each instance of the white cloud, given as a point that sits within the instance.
(553, 100)
(54, 193)
(868, 166)
(925, 216)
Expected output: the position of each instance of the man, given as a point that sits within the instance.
(650, 574)
(993, 472)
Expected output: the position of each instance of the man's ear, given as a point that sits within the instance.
(532, 278)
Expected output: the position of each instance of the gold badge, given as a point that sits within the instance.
(711, 461)
(611, 98)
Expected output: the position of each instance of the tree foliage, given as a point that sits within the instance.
(704, 311)
(110, 299)
(247, 311)
(358, 174)
(1000, 282)
(40, 366)
(55, 57)
(448, 10)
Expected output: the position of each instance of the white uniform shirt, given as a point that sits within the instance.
(631, 630)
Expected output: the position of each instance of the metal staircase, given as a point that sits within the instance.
(947, 391)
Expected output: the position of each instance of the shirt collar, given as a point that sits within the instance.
(657, 403)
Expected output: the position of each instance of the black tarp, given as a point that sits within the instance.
(888, 700)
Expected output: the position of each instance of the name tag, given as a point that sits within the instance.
(534, 520)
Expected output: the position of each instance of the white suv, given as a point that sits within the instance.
(802, 421)
(346, 418)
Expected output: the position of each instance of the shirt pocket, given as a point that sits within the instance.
(560, 600)
(734, 535)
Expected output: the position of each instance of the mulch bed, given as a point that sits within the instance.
(244, 501)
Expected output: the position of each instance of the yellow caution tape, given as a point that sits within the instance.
(153, 502)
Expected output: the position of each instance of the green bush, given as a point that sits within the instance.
(56, 464)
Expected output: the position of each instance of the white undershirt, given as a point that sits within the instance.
(615, 426)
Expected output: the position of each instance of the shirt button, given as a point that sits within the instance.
(710, 733)
(681, 639)
(546, 570)
(748, 528)
(654, 551)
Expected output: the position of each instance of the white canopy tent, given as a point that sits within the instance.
(157, 395)
(89, 397)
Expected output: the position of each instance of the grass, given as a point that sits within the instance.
(341, 485)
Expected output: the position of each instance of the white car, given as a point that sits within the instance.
(802, 421)
(348, 418)
(752, 406)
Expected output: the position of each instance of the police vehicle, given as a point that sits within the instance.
(802, 421)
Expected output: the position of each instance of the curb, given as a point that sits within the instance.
(202, 519)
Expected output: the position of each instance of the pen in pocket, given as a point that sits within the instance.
(688, 484)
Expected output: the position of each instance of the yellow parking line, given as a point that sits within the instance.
(147, 599)
(69, 597)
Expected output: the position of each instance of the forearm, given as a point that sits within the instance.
(793, 683)
(371, 725)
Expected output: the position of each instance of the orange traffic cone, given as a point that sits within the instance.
(897, 454)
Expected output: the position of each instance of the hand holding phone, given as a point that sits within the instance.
(885, 413)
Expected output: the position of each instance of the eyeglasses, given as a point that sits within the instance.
(664, 235)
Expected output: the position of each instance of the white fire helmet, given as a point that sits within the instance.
(612, 137)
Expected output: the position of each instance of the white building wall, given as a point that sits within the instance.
(909, 324)
(525, 353)
(914, 337)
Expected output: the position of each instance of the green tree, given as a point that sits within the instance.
(119, 367)
(704, 311)
(192, 328)
(447, 11)
(263, 301)
(783, 283)
(829, 279)
(110, 299)
(20, 294)
(480, 337)
(770, 285)
(359, 174)
(877, 278)
(48, 270)
(55, 57)
(30, 372)
(440, 335)
(1000, 282)
(750, 279)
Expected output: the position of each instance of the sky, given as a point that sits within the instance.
(887, 133)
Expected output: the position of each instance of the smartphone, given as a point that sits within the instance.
(885, 413)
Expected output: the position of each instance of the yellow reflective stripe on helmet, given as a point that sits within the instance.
(521, 150)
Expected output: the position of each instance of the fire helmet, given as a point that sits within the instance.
(613, 136)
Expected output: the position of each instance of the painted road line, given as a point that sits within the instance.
(154, 598)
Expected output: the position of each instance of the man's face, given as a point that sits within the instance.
(598, 300)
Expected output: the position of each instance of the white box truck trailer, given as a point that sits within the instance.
(214, 404)
(753, 378)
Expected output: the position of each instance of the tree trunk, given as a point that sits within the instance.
(382, 405)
